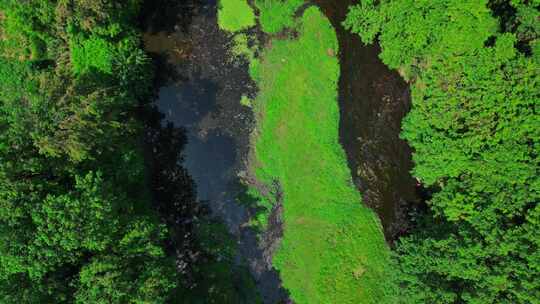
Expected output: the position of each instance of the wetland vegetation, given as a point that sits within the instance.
(333, 248)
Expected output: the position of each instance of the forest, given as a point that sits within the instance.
(78, 224)
(88, 213)
(97, 206)
(474, 70)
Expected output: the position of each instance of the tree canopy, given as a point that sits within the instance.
(474, 71)
(77, 223)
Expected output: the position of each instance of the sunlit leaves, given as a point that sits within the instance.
(475, 130)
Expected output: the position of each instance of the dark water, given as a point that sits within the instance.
(200, 88)
(202, 96)
(373, 100)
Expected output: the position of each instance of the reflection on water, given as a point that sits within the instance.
(187, 103)
(200, 91)
(210, 156)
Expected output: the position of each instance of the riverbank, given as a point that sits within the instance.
(333, 249)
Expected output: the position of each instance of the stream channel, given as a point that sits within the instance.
(200, 89)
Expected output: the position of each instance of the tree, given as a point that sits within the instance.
(77, 222)
(475, 130)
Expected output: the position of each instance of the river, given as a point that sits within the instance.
(373, 100)
(200, 88)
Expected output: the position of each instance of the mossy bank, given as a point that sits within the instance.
(333, 248)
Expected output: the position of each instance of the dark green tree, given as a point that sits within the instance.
(77, 222)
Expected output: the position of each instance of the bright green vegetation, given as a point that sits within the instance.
(333, 249)
(277, 15)
(241, 47)
(245, 101)
(474, 67)
(235, 15)
(94, 53)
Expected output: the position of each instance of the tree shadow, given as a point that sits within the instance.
(173, 191)
(164, 73)
(168, 15)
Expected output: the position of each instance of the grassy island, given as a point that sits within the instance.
(333, 248)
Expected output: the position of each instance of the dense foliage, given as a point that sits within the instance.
(76, 220)
(474, 69)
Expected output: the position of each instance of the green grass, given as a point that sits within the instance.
(241, 48)
(333, 249)
(277, 15)
(92, 53)
(235, 15)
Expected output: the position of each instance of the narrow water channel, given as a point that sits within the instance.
(200, 90)
(373, 100)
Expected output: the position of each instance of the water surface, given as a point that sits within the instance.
(373, 100)
(200, 90)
